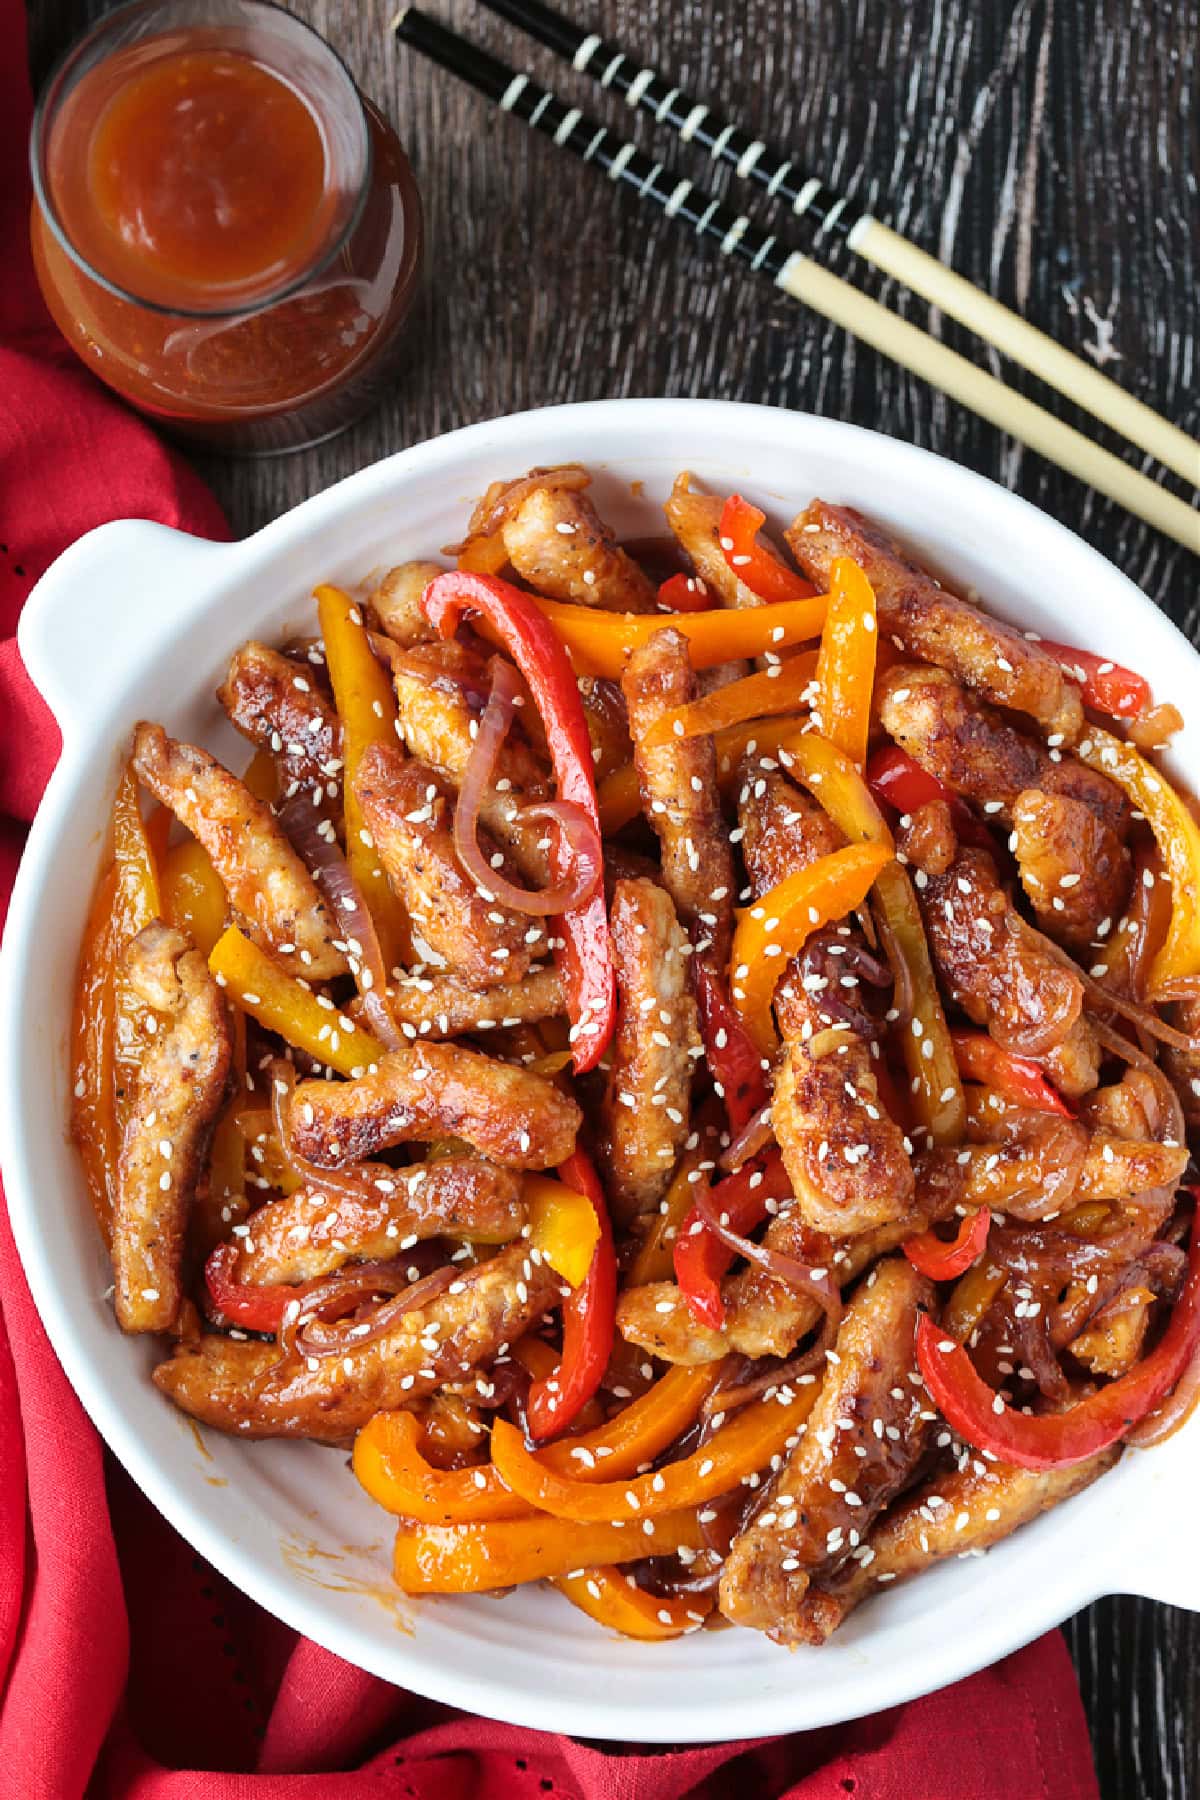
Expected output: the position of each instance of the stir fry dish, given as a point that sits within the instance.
(677, 1055)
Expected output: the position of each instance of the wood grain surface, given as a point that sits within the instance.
(1048, 148)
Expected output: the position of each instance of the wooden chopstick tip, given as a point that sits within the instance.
(399, 17)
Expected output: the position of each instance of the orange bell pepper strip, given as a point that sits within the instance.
(193, 894)
(830, 775)
(778, 689)
(389, 1465)
(600, 643)
(562, 1225)
(367, 707)
(483, 555)
(846, 661)
(763, 573)
(262, 777)
(257, 984)
(738, 1449)
(618, 797)
(137, 875)
(936, 1098)
(614, 1600)
(502, 1553)
(775, 927)
(1176, 965)
(93, 1041)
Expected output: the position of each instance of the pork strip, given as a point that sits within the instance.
(245, 1388)
(265, 879)
(558, 543)
(645, 1113)
(427, 1091)
(396, 603)
(274, 702)
(437, 1004)
(177, 1095)
(1075, 871)
(863, 1440)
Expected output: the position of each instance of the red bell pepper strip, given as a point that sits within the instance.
(1107, 686)
(750, 561)
(254, 1305)
(585, 957)
(700, 1258)
(731, 1053)
(684, 593)
(944, 1258)
(589, 1320)
(1055, 1440)
(980, 1058)
(896, 778)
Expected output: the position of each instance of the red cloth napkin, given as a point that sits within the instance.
(131, 1670)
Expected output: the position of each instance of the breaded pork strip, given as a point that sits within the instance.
(845, 1157)
(951, 1514)
(438, 1005)
(265, 879)
(311, 1232)
(1075, 871)
(559, 544)
(695, 518)
(275, 703)
(936, 626)
(1004, 975)
(862, 1442)
(396, 602)
(646, 1108)
(177, 1095)
(975, 751)
(427, 1091)
(244, 1387)
(1183, 1066)
(409, 809)
(435, 723)
(678, 784)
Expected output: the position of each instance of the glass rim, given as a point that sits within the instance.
(49, 96)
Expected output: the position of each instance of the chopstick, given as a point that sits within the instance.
(838, 214)
(798, 276)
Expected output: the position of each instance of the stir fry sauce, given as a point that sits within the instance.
(689, 1078)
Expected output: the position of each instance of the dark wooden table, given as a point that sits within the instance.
(1048, 148)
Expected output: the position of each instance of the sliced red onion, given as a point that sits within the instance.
(317, 1336)
(793, 1274)
(312, 837)
(584, 851)
(777, 1376)
(491, 512)
(754, 1136)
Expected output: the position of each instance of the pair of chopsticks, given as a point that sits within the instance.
(828, 215)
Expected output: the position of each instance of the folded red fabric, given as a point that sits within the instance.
(130, 1669)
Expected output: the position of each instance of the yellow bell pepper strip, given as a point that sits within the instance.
(830, 776)
(602, 642)
(562, 1225)
(193, 894)
(585, 951)
(367, 707)
(473, 1559)
(389, 1464)
(778, 689)
(614, 1600)
(588, 1318)
(971, 1298)
(223, 1202)
(763, 573)
(1055, 1440)
(262, 777)
(257, 984)
(936, 1100)
(846, 660)
(618, 797)
(684, 593)
(93, 1040)
(1176, 965)
(775, 927)
(944, 1258)
(738, 1449)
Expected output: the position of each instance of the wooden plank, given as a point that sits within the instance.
(1048, 148)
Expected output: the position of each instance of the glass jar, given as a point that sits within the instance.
(225, 230)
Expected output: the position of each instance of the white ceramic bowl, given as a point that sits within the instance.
(137, 621)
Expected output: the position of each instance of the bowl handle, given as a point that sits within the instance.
(1146, 1550)
(119, 589)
